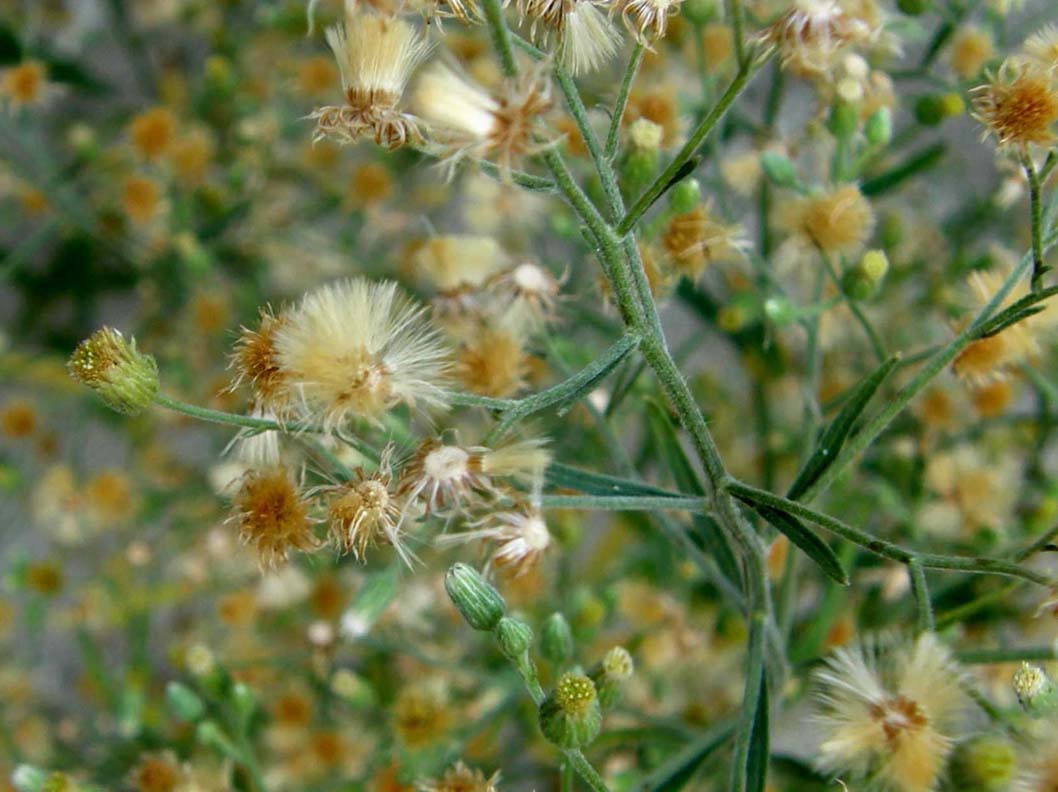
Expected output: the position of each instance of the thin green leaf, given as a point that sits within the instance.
(10, 46)
(680, 769)
(759, 746)
(805, 539)
(915, 165)
(834, 435)
(1000, 323)
(668, 443)
(565, 477)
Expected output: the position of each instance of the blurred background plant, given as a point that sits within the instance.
(410, 315)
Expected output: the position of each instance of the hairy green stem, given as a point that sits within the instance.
(501, 36)
(920, 590)
(1038, 268)
(614, 133)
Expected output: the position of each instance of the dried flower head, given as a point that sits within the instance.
(421, 714)
(813, 33)
(839, 221)
(152, 132)
(357, 348)
(890, 716)
(272, 516)
(376, 56)
(970, 49)
(695, 239)
(255, 362)
(367, 510)
(460, 778)
(525, 295)
(493, 362)
(24, 83)
(518, 538)
(1042, 48)
(156, 772)
(444, 476)
(585, 36)
(1018, 106)
(648, 19)
(469, 121)
(125, 379)
(454, 263)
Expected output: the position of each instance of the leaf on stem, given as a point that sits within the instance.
(834, 436)
(757, 761)
(566, 477)
(805, 539)
(675, 774)
(668, 443)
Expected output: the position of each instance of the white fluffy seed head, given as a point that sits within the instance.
(357, 348)
(376, 55)
(450, 103)
(588, 39)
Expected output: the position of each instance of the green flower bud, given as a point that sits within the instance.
(210, 735)
(780, 311)
(638, 167)
(610, 675)
(951, 105)
(556, 640)
(779, 169)
(874, 265)
(645, 135)
(514, 637)
(352, 688)
(245, 701)
(928, 111)
(59, 782)
(571, 717)
(184, 702)
(685, 196)
(987, 763)
(27, 778)
(125, 379)
(914, 7)
(879, 127)
(844, 118)
(699, 12)
(1036, 691)
(481, 605)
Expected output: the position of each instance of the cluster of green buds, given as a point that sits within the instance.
(125, 379)
(570, 715)
(639, 162)
(1036, 691)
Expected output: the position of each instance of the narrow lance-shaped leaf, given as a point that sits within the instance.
(668, 443)
(834, 435)
(757, 761)
(677, 772)
(568, 477)
(805, 539)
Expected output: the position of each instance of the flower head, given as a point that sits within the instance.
(518, 538)
(255, 361)
(1018, 106)
(470, 121)
(585, 36)
(357, 348)
(695, 239)
(125, 379)
(460, 778)
(890, 716)
(376, 56)
(272, 515)
(647, 19)
(366, 510)
(813, 33)
(838, 221)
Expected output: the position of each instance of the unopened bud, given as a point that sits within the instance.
(779, 169)
(184, 702)
(1036, 691)
(862, 281)
(125, 379)
(685, 196)
(645, 135)
(556, 640)
(879, 127)
(638, 167)
(611, 674)
(245, 701)
(514, 637)
(481, 605)
(571, 717)
(844, 117)
(987, 763)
